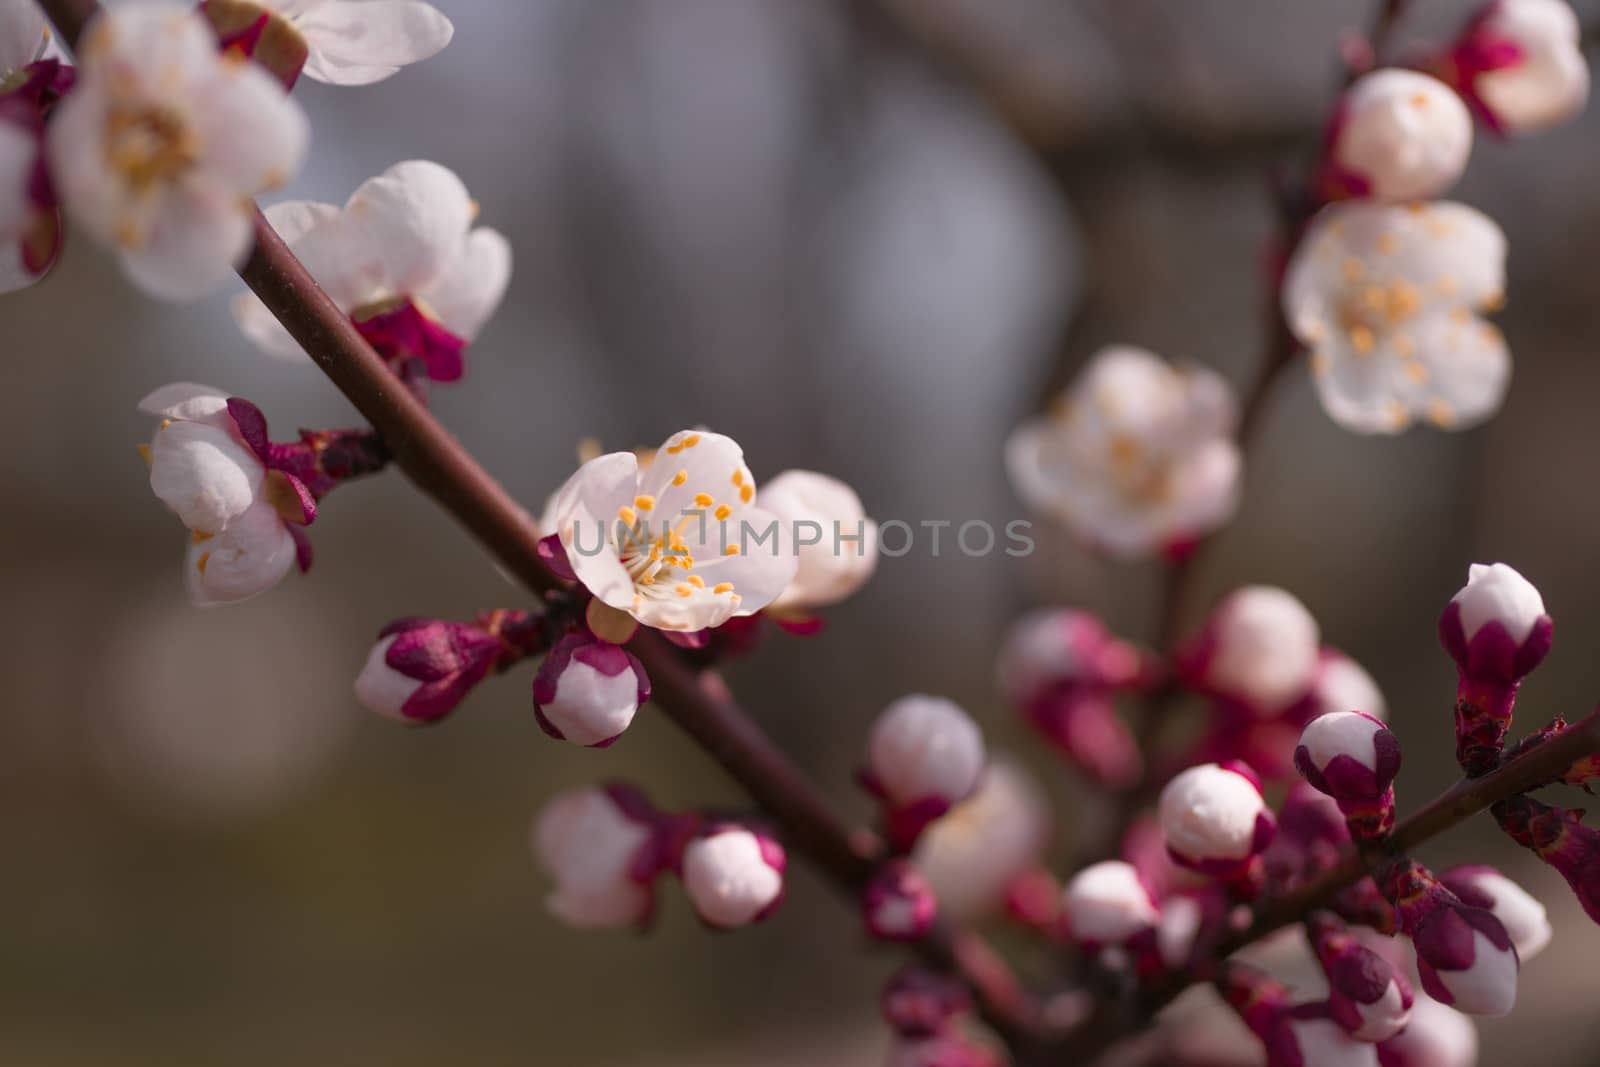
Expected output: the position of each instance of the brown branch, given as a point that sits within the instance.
(439, 465)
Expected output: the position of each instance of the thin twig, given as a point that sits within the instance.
(438, 464)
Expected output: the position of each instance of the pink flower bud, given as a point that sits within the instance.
(1055, 647)
(1295, 1035)
(1524, 918)
(1215, 818)
(1259, 650)
(1107, 904)
(1400, 135)
(1353, 758)
(924, 756)
(420, 669)
(1497, 631)
(1557, 836)
(1464, 955)
(588, 690)
(604, 849)
(918, 1002)
(1520, 65)
(733, 875)
(1437, 1037)
(1367, 996)
(1181, 920)
(899, 904)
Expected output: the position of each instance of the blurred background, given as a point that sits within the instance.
(782, 219)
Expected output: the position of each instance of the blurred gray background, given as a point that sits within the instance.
(770, 217)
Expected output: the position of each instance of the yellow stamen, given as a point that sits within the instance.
(703, 500)
(644, 501)
(731, 550)
(627, 515)
(738, 478)
(723, 512)
(681, 477)
(746, 492)
(722, 587)
(199, 537)
(692, 440)
(683, 590)
(697, 581)
(200, 564)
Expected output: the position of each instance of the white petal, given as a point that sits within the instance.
(845, 557)
(1407, 133)
(189, 402)
(251, 556)
(763, 566)
(204, 474)
(380, 687)
(96, 199)
(294, 221)
(417, 214)
(470, 289)
(254, 136)
(358, 42)
(22, 34)
(263, 328)
(590, 706)
(1551, 81)
(925, 747)
(728, 879)
(1209, 813)
(196, 235)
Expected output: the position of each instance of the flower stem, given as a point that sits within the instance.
(441, 467)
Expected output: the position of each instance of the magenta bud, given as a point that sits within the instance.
(421, 669)
(413, 343)
(1367, 996)
(1465, 957)
(1497, 631)
(1557, 836)
(733, 875)
(1524, 918)
(1058, 649)
(1353, 758)
(898, 903)
(587, 691)
(918, 1002)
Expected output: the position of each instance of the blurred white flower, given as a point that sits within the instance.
(925, 748)
(163, 142)
(733, 876)
(839, 549)
(1259, 648)
(1387, 297)
(340, 42)
(1401, 135)
(1521, 63)
(1107, 904)
(596, 851)
(402, 259)
(215, 482)
(678, 544)
(972, 854)
(1136, 456)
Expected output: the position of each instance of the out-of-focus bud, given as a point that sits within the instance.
(918, 1002)
(1259, 650)
(587, 691)
(1060, 668)
(1524, 918)
(1353, 758)
(899, 904)
(942, 1050)
(972, 855)
(925, 755)
(1557, 836)
(1437, 1037)
(1215, 818)
(1520, 65)
(836, 543)
(1295, 1035)
(1496, 630)
(733, 875)
(1398, 135)
(1182, 917)
(1367, 996)
(1464, 954)
(1107, 905)
(604, 848)
(1342, 684)
(421, 669)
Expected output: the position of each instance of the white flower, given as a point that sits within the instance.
(1322, 1043)
(163, 142)
(590, 846)
(1342, 684)
(1548, 82)
(836, 543)
(1437, 1036)
(1263, 649)
(678, 544)
(1495, 592)
(1136, 457)
(353, 42)
(1211, 813)
(1387, 298)
(1406, 136)
(1524, 918)
(404, 241)
(733, 877)
(202, 468)
(972, 854)
(1107, 903)
(925, 748)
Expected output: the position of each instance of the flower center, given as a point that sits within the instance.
(149, 145)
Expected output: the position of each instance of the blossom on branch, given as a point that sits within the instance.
(1398, 135)
(1137, 456)
(605, 848)
(587, 691)
(925, 755)
(835, 543)
(1559, 837)
(1367, 995)
(1465, 957)
(1215, 819)
(1520, 65)
(1107, 905)
(1437, 1036)
(403, 260)
(1353, 757)
(1387, 297)
(733, 875)
(339, 42)
(1259, 651)
(677, 544)
(421, 669)
(163, 143)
